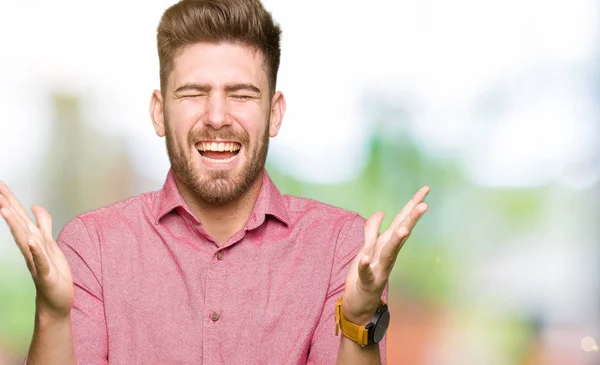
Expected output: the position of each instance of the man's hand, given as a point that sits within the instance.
(372, 266)
(48, 266)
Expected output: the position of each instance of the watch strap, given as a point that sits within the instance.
(356, 333)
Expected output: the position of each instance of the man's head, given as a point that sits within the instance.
(217, 105)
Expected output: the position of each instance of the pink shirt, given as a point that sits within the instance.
(152, 287)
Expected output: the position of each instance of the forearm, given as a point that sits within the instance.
(52, 341)
(351, 353)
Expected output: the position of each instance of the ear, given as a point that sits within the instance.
(277, 111)
(157, 113)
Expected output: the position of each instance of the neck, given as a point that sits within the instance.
(222, 221)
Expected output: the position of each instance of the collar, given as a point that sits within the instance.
(269, 202)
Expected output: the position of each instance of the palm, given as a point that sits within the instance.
(48, 266)
(371, 268)
(55, 288)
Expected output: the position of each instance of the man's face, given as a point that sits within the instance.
(217, 111)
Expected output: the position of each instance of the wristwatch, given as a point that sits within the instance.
(370, 334)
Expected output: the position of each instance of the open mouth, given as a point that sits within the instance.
(219, 152)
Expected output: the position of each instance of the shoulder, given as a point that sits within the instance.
(131, 205)
(114, 214)
(325, 217)
(302, 206)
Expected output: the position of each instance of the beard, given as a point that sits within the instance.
(217, 187)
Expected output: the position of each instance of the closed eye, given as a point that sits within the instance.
(242, 97)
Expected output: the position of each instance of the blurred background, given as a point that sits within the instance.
(493, 103)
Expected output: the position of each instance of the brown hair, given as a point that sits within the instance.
(244, 22)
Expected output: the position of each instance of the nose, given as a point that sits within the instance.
(217, 116)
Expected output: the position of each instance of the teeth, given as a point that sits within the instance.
(219, 147)
(223, 161)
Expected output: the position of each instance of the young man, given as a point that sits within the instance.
(217, 267)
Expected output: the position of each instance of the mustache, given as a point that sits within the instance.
(226, 133)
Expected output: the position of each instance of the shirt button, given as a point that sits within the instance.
(220, 255)
(214, 317)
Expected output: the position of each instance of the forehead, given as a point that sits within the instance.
(218, 64)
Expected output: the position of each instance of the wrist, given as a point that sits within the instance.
(351, 352)
(45, 314)
(45, 319)
(361, 317)
(362, 334)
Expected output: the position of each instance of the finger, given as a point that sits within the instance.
(392, 247)
(38, 231)
(390, 251)
(19, 234)
(419, 197)
(13, 201)
(372, 227)
(25, 221)
(40, 259)
(365, 272)
(4, 203)
(413, 217)
(44, 221)
(405, 211)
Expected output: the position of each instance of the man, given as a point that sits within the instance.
(217, 267)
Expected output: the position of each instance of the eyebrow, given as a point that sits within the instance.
(228, 88)
(238, 87)
(192, 87)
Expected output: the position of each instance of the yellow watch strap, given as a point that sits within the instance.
(356, 333)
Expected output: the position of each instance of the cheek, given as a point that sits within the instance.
(252, 119)
(181, 118)
(190, 111)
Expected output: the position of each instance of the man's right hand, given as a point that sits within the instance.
(48, 266)
(52, 341)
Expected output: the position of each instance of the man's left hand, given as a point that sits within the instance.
(372, 266)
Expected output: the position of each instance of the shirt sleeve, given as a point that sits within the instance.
(325, 344)
(87, 315)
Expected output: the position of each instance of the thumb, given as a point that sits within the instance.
(365, 272)
(44, 221)
(371, 230)
(39, 258)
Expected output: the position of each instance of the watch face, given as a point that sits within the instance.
(381, 326)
